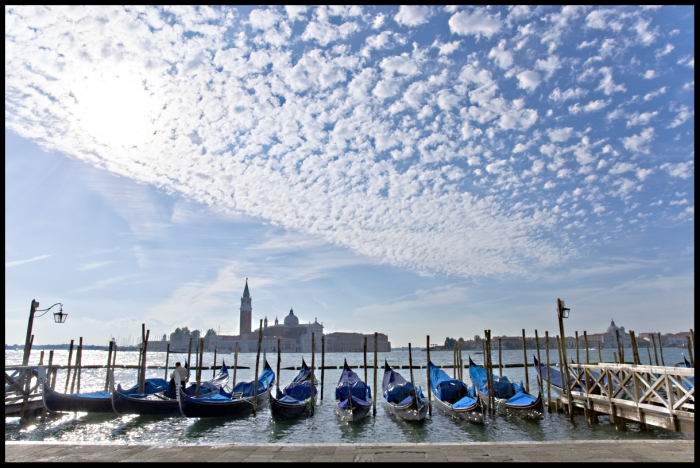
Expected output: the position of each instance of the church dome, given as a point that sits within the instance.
(613, 327)
(291, 319)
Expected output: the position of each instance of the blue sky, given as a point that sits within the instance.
(408, 170)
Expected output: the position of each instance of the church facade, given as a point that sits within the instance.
(292, 335)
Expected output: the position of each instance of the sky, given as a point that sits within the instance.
(409, 170)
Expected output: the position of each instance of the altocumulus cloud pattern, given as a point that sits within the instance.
(465, 141)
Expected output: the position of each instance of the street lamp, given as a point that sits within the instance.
(562, 313)
(58, 317)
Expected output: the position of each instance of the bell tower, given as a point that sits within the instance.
(246, 311)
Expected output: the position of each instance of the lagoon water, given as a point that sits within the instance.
(324, 426)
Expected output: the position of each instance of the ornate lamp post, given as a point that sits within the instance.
(58, 317)
(562, 313)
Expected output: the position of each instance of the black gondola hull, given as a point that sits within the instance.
(61, 402)
(533, 411)
(128, 405)
(474, 413)
(356, 413)
(283, 411)
(410, 412)
(214, 409)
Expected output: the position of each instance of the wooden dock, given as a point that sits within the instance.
(650, 395)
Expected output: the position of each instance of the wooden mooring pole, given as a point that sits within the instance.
(653, 342)
(649, 353)
(410, 364)
(323, 362)
(52, 373)
(279, 362)
(213, 367)
(661, 350)
(600, 354)
(500, 360)
(189, 357)
(109, 360)
(527, 377)
(200, 365)
(690, 352)
(167, 360)
(75, 370)
(549, 387)
(620, 348)
(635, 351)
(374, 400)
(585, 343)
(313, 378)
(235, 364)
(257, 369)
(365, 356)
(427, 371)
(577, 353)
(539, 363)
(70, 356)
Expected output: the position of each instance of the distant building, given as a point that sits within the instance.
(293, 336)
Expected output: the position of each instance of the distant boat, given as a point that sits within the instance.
(402, 398)
(295, 400)
(453, 397)
(353, 398)
(509, 397)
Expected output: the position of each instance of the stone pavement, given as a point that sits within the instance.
(561, 451)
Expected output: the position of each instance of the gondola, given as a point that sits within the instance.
(402, 398)
(162, 403)
(223, 404)
(295, 400)
(353, 398)
(92, 402)
(509, 397)
(454, 397)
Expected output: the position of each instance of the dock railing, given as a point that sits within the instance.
(651, 395)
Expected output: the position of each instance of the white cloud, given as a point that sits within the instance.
(649, 74)
(621, 168)
(295, 12)
(640, 119)
(325, 32)
(560, 135)
(478, 23)
(571, 93)
(680, 170)
(412, 15)
(653, 94)
(595, 105)
(639, 143)
(549, 185)
(503, 58)
(644, 36)
(549, 66)
(665, 51)
(447, 48)
(20, 262)
(684, 113)
(607, 85)
(528, 80)
(400, 64)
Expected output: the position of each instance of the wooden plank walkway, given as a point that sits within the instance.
(650, 395)
(589, 451)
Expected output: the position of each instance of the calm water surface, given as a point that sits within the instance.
(324, 426)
